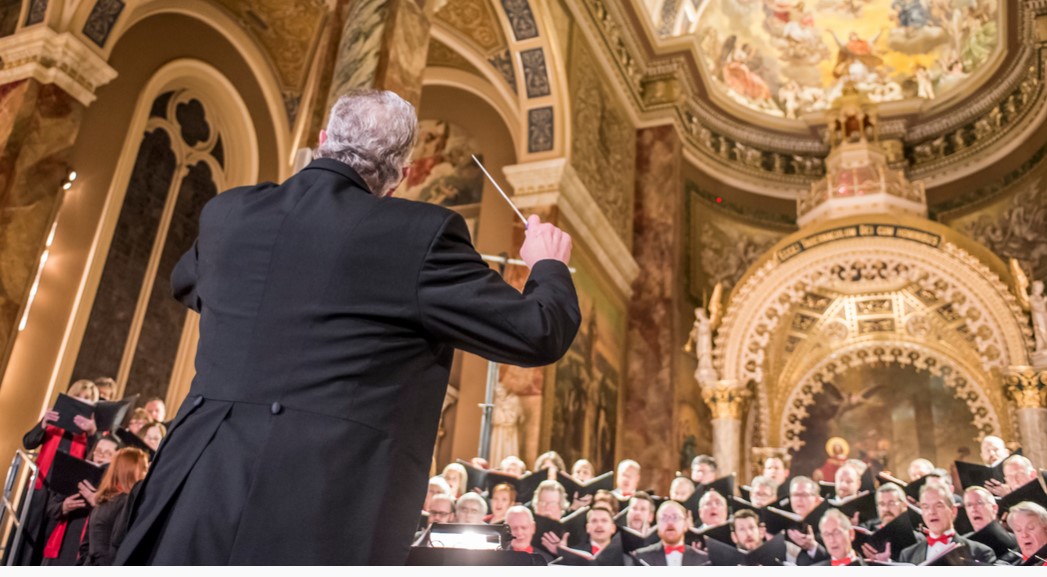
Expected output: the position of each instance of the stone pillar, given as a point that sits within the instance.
(384, 45)
(727, 401)
(48, 81)
(1027, 388)
(655, 379)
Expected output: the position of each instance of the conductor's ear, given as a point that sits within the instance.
(323, 136)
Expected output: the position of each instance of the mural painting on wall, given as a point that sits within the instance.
(724, 246)
(584, 413)
(443, 171)
(886, 416)
(790, 57)
(1013, 228)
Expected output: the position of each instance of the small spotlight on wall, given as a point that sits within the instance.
(72, 175)
(68, 182)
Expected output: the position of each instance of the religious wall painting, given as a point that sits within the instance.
(1014, 226)
(582, 417)
(887, 416)
(443, 171)
(786, 58)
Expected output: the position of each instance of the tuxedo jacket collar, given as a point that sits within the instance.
(340, 168)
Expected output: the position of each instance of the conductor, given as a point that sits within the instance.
(329, 315)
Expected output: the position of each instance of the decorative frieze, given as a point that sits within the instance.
(50, 57)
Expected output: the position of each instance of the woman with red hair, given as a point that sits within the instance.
(127, 468)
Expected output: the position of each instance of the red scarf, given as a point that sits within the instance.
(52, 438)
(527, 549)
(54, 542)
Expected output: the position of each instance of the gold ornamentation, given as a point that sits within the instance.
(1027, 387)
(726, 399)
(475, 20)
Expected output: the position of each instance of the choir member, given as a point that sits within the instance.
(774, 469)
(127, 468)
(681, 489)
(670, 550)
(703, 470)
(1017, 471)
(982, 511)
(139, 418)
(502, 497)
(848, 481)
(441, 508)
(551, 462)
(521, 524)
(457, 479)
(550, 500)
(601, 531)
(106, 388)
(582, 470)
(993, 450)
(804, 498)
(152, 434)
(641, 512)
(939, 512)
(157, 409)
(51, 439)
(838, 534)
(627, 479)
(919, 468)
(746, 530)
(470, 508)
(764, 491)
(1028, 520)
(512, 465)
(437, 486)
(70, 513)
(712, 509)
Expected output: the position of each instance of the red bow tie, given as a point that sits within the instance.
(596, 549)
(839, 562)
(674, 549)
(527, 549)
(943, 539)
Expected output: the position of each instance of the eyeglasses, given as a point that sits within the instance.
(439, 513)
(801, 495)
(671, 518)
(891, 503)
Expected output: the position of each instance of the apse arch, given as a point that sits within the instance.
(862, 254)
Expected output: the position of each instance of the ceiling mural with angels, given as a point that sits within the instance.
(787, 58)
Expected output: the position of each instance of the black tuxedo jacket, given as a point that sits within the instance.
(655, 555)
(917, 553)
(328, 321)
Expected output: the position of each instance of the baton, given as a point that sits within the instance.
(500, 191)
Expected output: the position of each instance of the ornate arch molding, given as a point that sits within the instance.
(967, 383)
(869, 254)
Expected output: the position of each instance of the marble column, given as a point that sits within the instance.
(727, 401)
(1027, 388)
(384, 45)
(655, 379)
(42, 101)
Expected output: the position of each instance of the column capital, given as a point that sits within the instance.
(51, 57)
(727, 399)
(554, 182)
(1027, 387)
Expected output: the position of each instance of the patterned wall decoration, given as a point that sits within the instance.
(540, 129)
(503, 63)
(603, 147)
(36, 13)
(440, 54)
(476, 20)
(724, 244)
(536, 78)
(521, 19)
(442, 169)
(100, 22)
(9, 12)
(286, 29)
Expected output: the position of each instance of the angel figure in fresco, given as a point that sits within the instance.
(1038, 310)
(736, 66)
(791, 28)
(855, 58)
(846, 401)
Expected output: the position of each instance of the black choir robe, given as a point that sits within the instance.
(328, 321)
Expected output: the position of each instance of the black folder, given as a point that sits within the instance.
(574, 523)
(67, 471)
(67, 408)
(899, 533)
(721, 533)
(110, 415)
(973, 474)
(576, 489)
(863, 503)
(771, 553)
(1035, 491)
(633, 540)
(995, 537)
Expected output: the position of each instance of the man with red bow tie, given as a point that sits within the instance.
(1029, 522)
(670, 550)
(838, 534)
(939, 512)
(521, 524)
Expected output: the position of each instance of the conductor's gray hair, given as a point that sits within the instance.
(373, 132)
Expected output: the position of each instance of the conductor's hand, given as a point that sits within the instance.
(544, 241)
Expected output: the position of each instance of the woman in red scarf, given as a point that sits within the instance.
(70, 512)
(51, 439)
